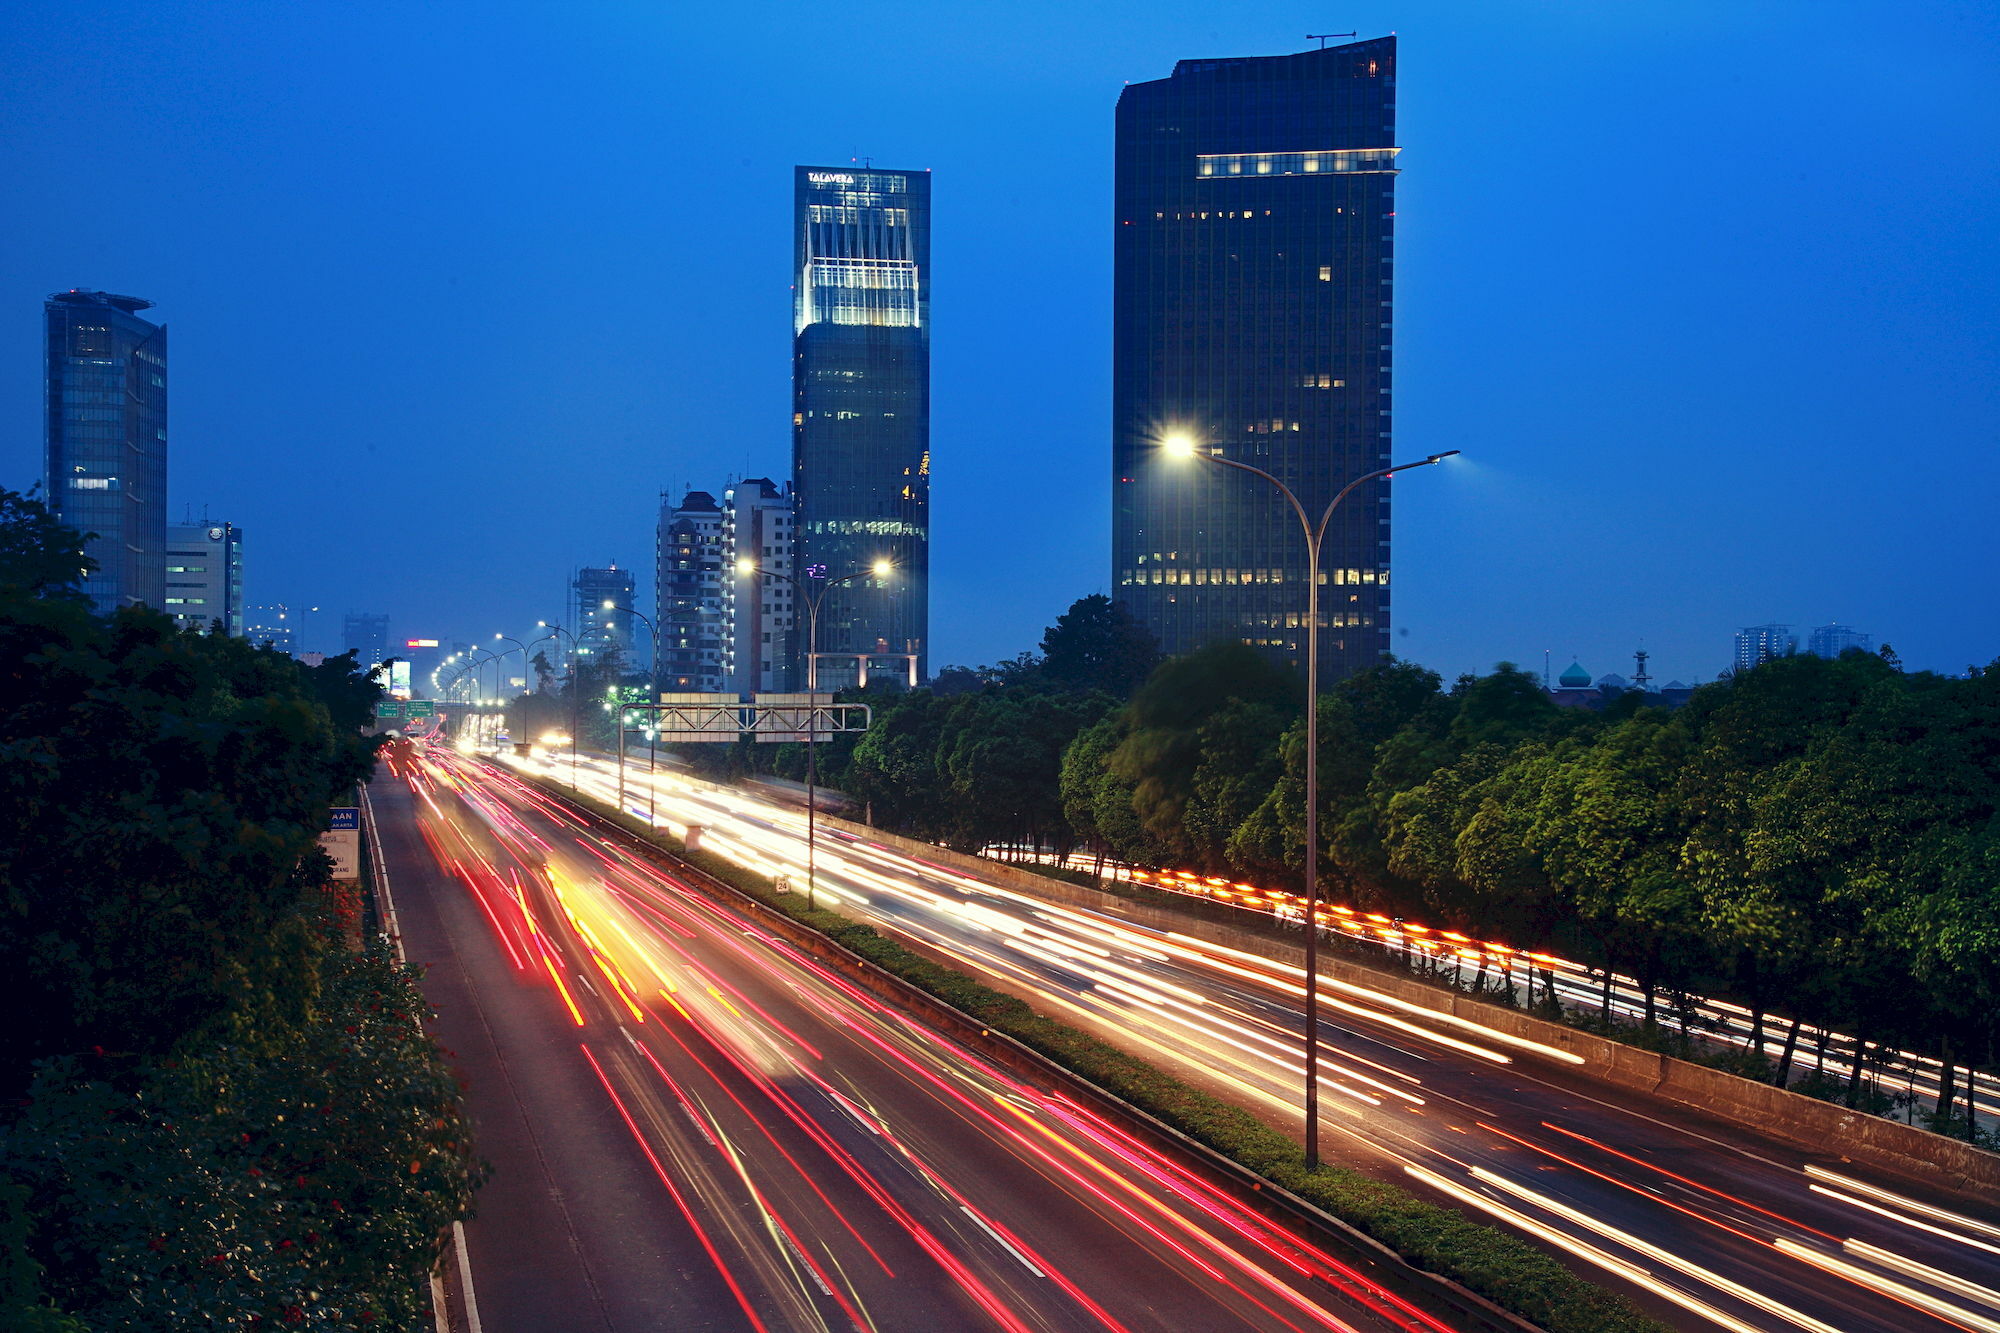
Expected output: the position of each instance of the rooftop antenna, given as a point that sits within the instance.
(1322, 37)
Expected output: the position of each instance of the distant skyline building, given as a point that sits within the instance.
(599, 629)
(1252, 246)
(687, 584)
(761, 637)
(105, 437)
(273, 623)
(204, 575)
(1833, 640)
(366, 635)
(1758, 644)
(861, 402)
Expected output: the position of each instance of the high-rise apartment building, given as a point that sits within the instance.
(1833, 640)
(1758, 644)
(366, 635)
(861, 402)
(106, 440)
(601, 611)
(204, 580)
(760, 647)
(688, 574)
(1255, 206)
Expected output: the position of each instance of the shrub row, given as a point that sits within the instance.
(287, 1172)
(1500, 1267)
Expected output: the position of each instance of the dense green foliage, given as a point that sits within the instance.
(217, 1111)
(1815, 838)
(1503, 1268)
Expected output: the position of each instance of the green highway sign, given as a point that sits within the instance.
(389, 708)
(420, 708)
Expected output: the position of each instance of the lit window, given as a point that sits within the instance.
(1326, 273)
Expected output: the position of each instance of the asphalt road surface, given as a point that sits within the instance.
(1709, 1225)
(693, 1126)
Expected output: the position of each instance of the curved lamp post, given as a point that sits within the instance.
(1185, 446)
(561, 633)
(653, 679)
(747, 568)
(499, 684)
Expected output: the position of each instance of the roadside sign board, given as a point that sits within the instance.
(789, 716)
(420, 708)
(685, 717)
(389, 708)
(342, 841)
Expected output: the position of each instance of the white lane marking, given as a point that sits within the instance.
(465, 1278)
(1001, 1241)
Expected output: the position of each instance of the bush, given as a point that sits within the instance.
(310, 1179)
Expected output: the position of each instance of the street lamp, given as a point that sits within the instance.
(477, 665)
(500, 685)
(574, 721)
(747, 568)
(1185, 446)
(652, 742)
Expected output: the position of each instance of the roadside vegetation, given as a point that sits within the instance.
(1817, 840)
(215, 1109)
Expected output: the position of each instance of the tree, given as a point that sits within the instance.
(894, 768)
(159, 789)
(39, 555)
(1162, 748)
(1098, 645)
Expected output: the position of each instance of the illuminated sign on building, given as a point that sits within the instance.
(829, 178)
(420, 643)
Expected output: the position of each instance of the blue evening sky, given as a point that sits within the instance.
(1708, 293)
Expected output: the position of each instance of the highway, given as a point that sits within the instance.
(1709, 1225)
(1583, 990)
(696, 1126)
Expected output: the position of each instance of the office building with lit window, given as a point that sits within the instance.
(106, 440)
(205, 576)
(861, 406)
(604, 629)
(1255, 206)
(687, 583)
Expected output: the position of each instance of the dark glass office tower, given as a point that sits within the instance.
(106, 435)
(861, 382)
(1255, 207)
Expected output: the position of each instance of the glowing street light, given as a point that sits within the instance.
(1182, 446)
(812, 592)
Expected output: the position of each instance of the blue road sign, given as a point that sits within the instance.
(344, 817)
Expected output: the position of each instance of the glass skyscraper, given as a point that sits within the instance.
(1255, 210)
(861, 406)
(106, 436)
